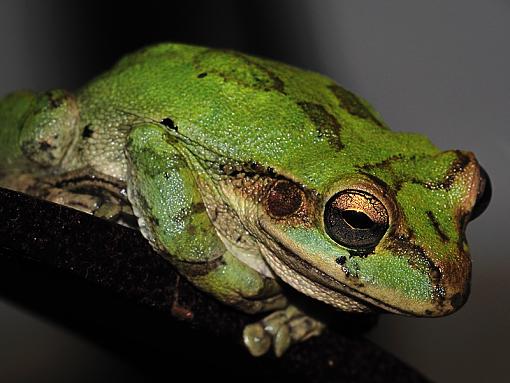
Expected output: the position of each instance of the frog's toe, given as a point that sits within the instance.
(282, 340)
(108, 210)
(281, 329)
(256, 339)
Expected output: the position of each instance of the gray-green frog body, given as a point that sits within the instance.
(247, 173)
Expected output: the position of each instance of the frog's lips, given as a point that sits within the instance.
(286, 262)
(309, 275)
(286, 258)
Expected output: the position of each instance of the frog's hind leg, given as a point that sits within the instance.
(39, 133)
(38, 130)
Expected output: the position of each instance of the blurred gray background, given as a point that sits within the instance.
(438, 68)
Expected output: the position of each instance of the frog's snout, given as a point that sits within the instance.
(456, 275)
(483, 196)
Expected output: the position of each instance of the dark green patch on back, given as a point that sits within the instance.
(237, 67)
(354, 105)
(326, 124)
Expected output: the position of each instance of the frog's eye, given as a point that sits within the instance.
(355, 219)
(284, 199)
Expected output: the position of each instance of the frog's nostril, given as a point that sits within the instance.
(484, 195)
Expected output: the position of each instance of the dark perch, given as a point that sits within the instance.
(104, 281)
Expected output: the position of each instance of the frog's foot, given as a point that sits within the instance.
(281, 329)
(82, 190)
(101, 206)
(83, 202)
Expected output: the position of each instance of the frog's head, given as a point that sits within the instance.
(388, 234)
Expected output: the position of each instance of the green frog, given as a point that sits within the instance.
(248, 174)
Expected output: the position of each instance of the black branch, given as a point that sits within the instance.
(105, 282)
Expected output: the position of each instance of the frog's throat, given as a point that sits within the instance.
(313, 283)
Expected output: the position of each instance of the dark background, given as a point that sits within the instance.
(432, 67)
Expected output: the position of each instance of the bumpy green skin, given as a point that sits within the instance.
(200, 135)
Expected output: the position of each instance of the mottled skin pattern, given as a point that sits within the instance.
(228, 161)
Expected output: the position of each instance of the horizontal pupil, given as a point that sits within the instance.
(357, 219)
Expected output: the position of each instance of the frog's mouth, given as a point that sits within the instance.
(316, 284)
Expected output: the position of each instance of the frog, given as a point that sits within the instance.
(253, 177)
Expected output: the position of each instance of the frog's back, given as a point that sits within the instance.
(242, 107)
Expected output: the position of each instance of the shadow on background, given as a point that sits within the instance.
(98, 34)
